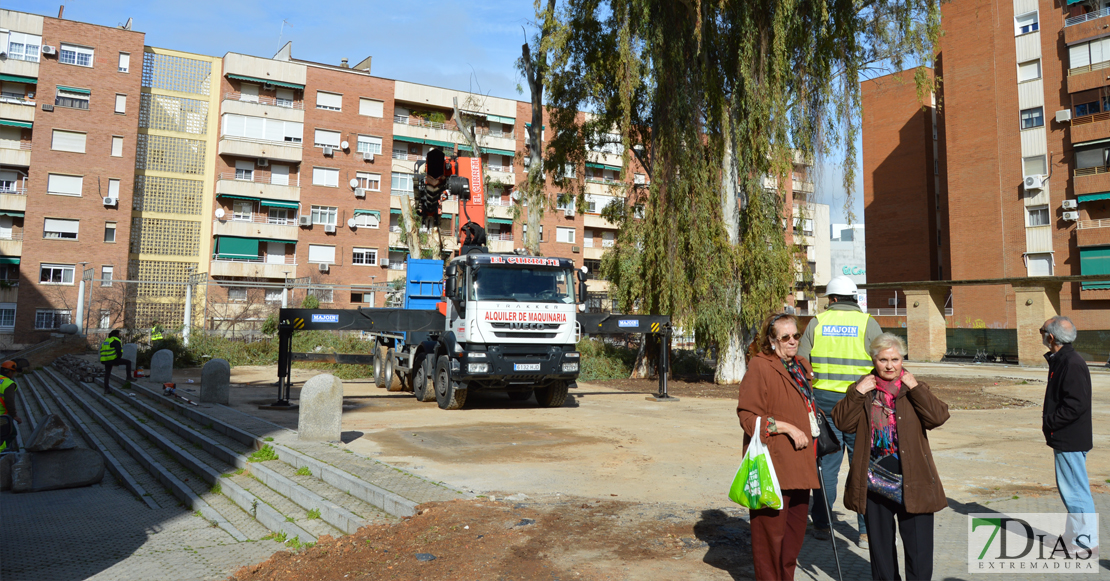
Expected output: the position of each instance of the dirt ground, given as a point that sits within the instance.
(614, 485)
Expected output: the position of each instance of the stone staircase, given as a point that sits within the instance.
(251, 478)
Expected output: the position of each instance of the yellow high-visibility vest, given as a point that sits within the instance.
(5, 384)
(839, 356)
(156, 334)
(107, 350)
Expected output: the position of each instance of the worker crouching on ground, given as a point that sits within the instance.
(892, 474)
(8, 388)
(111, 355)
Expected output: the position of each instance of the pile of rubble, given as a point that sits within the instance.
(51, 460)
(79, 369)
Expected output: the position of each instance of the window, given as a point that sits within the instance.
(564, 235)
(1097, 156)
(284, 98)
(368, 144)
(74, 99)
(110, 232)
(369, 181)
(356, 297)
(639, 179)
(280, 216)
(324, 295)
(7, 315)
(1034, 166)
(1036, 216)
(72, 141)
(242, 211)
(401, 184)
(367, 256)
(1029, 70)
(325, 138)
(1084, 109)
(525, 231)
(64, 229)
(563, 201)
(237, 294)
(318, 253)
(121, 103)
(370, 107)
(106, 275)
(105, 319)
(324, 215)
(113, 189)
(244, 170)
(24, 47)
(325, 176)
(124, 62)
(56, 274)
(262, 128)
(273, 295)
(1032, 118)
(366, 220)
(1026, 23)
(72, 54)
(248, 92)
(1040, 264)
(117, 146)
(329, 101)
(46, 319)
(63, 185)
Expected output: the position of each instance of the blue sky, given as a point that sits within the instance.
(447, 43)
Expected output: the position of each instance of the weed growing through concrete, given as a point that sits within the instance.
(208, 426)
(217, 489)
(289, 519)
(303, 471)
(239, 471)
(314, 514)
(263, 455)
(268, 439)
(198, 446)
(295, 543)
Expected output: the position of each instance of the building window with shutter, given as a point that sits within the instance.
(329, 101)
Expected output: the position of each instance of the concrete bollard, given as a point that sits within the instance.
(215, 382)
(161, 366)
(320, 416)
(131, 353)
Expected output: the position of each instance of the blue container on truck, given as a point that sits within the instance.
(423, 283)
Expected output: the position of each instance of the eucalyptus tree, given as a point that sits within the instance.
(714, 101)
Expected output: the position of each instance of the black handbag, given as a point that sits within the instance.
(827, 443)
(884, 482)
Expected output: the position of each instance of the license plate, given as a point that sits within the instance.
(526, 367)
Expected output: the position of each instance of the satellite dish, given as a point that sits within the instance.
(354, 183)
(350, 222)
(345, 146)
(219, 213)
(515, 195)
(585, 270)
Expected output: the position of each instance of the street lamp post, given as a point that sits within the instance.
(285, 291)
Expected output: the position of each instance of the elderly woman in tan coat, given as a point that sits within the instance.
(889, 411)
(777, 388)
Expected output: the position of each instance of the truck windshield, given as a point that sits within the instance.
(537, 284)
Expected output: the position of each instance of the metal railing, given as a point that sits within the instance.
(405, 156)
(900, 312)
(259, 177)
(507, 236)
(1088, 68)
(260, 218)
(13, 236)
(15, 190)
(1085, 224)
(286, 260)
(1094, 117)
(588, 242)
(23, 145)
(1090, 171)
(1085, 17)
(506, 201)
(14, 100)
(397, 265)
(605, 243)
(494, 132)
(263, 100)
(296, 144)
(500, 168)
(607, 182)
(418, 122)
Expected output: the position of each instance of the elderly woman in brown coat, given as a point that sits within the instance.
(891, 410)
(777, 389)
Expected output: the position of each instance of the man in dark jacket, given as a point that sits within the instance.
(1066, 422)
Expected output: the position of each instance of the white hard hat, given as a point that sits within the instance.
(841, 285)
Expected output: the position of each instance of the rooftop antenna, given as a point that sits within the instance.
(281, 33)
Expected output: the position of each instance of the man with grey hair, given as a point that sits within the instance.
(1066, 423)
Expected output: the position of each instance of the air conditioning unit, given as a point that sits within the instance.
(263, 162)
(360, 192)
(385, 262)
(1071, 216)
(367, 156)
(304, 221)
(111, 201)
(328, 151)
(527, 161)
(1064, 115)
(892, 302)
(1069, 205)
(329, 228)
(1034, 183)
(575, 249)
(47, 49)
(323, 267)
(47, 107)
(569, 212)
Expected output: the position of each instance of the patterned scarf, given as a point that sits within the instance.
(798, 372)
(884, 423)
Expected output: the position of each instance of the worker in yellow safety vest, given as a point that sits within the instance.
(155, 332)
(8, 388)
(111, 355)
(836, 344)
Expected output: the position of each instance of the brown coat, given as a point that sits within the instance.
(917, 410)
(768, 390)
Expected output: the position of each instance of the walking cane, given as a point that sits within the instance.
(828, 513)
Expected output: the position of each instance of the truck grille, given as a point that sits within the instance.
(523, 335)
(527, 326)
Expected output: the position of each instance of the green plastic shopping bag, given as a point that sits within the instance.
(755, 484)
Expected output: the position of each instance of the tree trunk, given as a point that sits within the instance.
(535, 72)
(410, 227)
(731, 365)
(647, 359)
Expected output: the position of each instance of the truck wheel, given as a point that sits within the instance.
(553, 395)
(423, 385)
(448, 396)
(379, 376)
(389, 371)
(520, 395)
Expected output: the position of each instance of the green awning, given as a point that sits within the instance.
(360, 212)
(395, 211)
(398, 249)
(275, 240)
(266, 81)
(75, 90)
(278, 204)
(1095, 261)
(500, 152)
(229, 247)
(10, 123)
(542, 127)
(603, 166)
(1094, 197)
(12, 213)
(446, 144)
(408, 139)
(499, 221)
(509, 120)
(238, 197)
(465, 148)
(9, 260)
(19, 79)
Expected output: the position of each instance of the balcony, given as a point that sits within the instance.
(499, 209)
(19, 157)
(397, 240)
(13, 199)
(590, 252)
(261, 186)
(1085, 26)
(501, 173)
(258, 148)
(258, 268)
(261, 106)
(1090, 127)
(12, 245)
(802, 186)
(20, 68)
(17, 109)
(1087, 77)
(1092, 232)
(417, 128)
(1091, 180)
(398, 273)
(500, 244)
(257, 226)
(602, 187)
(596, 221)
